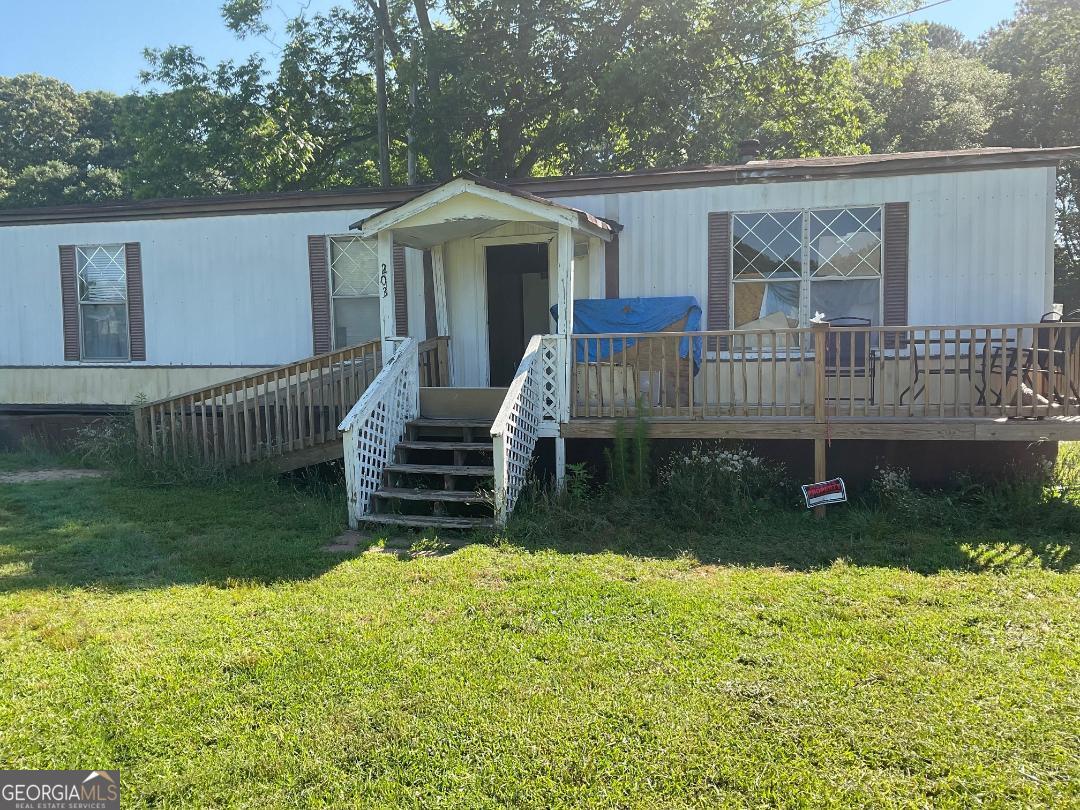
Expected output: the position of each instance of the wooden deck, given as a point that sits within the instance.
(1052, 428)
(1002, 382)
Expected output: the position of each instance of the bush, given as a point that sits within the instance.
(111, 442)
(1040, 500)
(709, 482)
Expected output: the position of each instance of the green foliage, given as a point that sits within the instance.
(942, 99)
(1038, 49)
(200, 640)
(1047, 498)
(56, 145)
(711, 484)
(507, 90)
(629, 460)
(110, 443)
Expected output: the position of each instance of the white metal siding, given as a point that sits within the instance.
(234, 289)
(229, 290)
(981, 241)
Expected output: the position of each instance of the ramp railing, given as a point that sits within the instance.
(270, 413)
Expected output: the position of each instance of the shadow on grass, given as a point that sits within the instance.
(116, 536)
(774, 536)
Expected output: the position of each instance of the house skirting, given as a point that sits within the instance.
(88, 384)
(931, 463)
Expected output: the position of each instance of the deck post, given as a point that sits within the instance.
(442, 320)
(820, 329)
(140, 428)
(387, 318)
(560, 463)
(565, 270)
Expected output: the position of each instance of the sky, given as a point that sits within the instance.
(98, 44)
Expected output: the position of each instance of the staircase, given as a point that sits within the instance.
(442, 474)
(442, 477)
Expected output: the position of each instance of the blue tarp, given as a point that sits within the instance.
(594, 316)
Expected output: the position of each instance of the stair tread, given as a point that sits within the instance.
(408, 494)
(429, 421)
(420, 444)
(432, 521)
(440, 469)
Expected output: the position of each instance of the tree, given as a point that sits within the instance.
(230, 128)
(1039, 49)
(56, 145)
(920, 97)
(509, 88)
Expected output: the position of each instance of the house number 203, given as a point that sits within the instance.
(383, 281)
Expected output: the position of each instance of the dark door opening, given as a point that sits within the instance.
(517, 287)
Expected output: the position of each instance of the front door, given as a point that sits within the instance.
(517, 293)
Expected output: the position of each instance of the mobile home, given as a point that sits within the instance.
(877, 297)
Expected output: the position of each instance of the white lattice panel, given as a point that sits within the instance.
(550, 377)
(376, 424)
(516, 429)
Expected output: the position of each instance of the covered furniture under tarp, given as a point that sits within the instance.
(615, 369)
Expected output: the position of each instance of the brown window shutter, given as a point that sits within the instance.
(718, 308)
(895, 265)
(69, 298)
(401, 292)
(431, 324)
(318, 268)
(611, 268)
(136, 324)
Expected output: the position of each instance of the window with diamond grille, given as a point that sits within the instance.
(767, 260)
(101, 274)
(354, 289)
(796, 263)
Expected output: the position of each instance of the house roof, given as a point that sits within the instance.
(758, 171)
(470, 183)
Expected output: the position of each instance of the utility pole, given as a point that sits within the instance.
(380, 96)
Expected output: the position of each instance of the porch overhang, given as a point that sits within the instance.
(469, 206)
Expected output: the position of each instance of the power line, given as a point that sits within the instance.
(845, 32)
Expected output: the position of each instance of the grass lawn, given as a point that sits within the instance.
(201, 641)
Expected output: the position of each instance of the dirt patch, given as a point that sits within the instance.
(31, 476)
(347, 541)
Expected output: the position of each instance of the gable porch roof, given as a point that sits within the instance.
(468, 206)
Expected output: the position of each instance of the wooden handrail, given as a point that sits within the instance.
(963, 371)
(434, 360)
(290, 408)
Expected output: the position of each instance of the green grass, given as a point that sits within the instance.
(201, 641)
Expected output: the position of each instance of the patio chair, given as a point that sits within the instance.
(1055, 348)
(1031, 364)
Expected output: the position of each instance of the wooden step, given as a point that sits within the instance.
(454, 495)
(440, 469)
(420, 444)
(451, 423)
(429, 521)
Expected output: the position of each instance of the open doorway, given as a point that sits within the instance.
(517, 293)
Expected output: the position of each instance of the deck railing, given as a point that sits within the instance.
(942, 372)
(376, 423)
(281, 410)
(434, 361)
